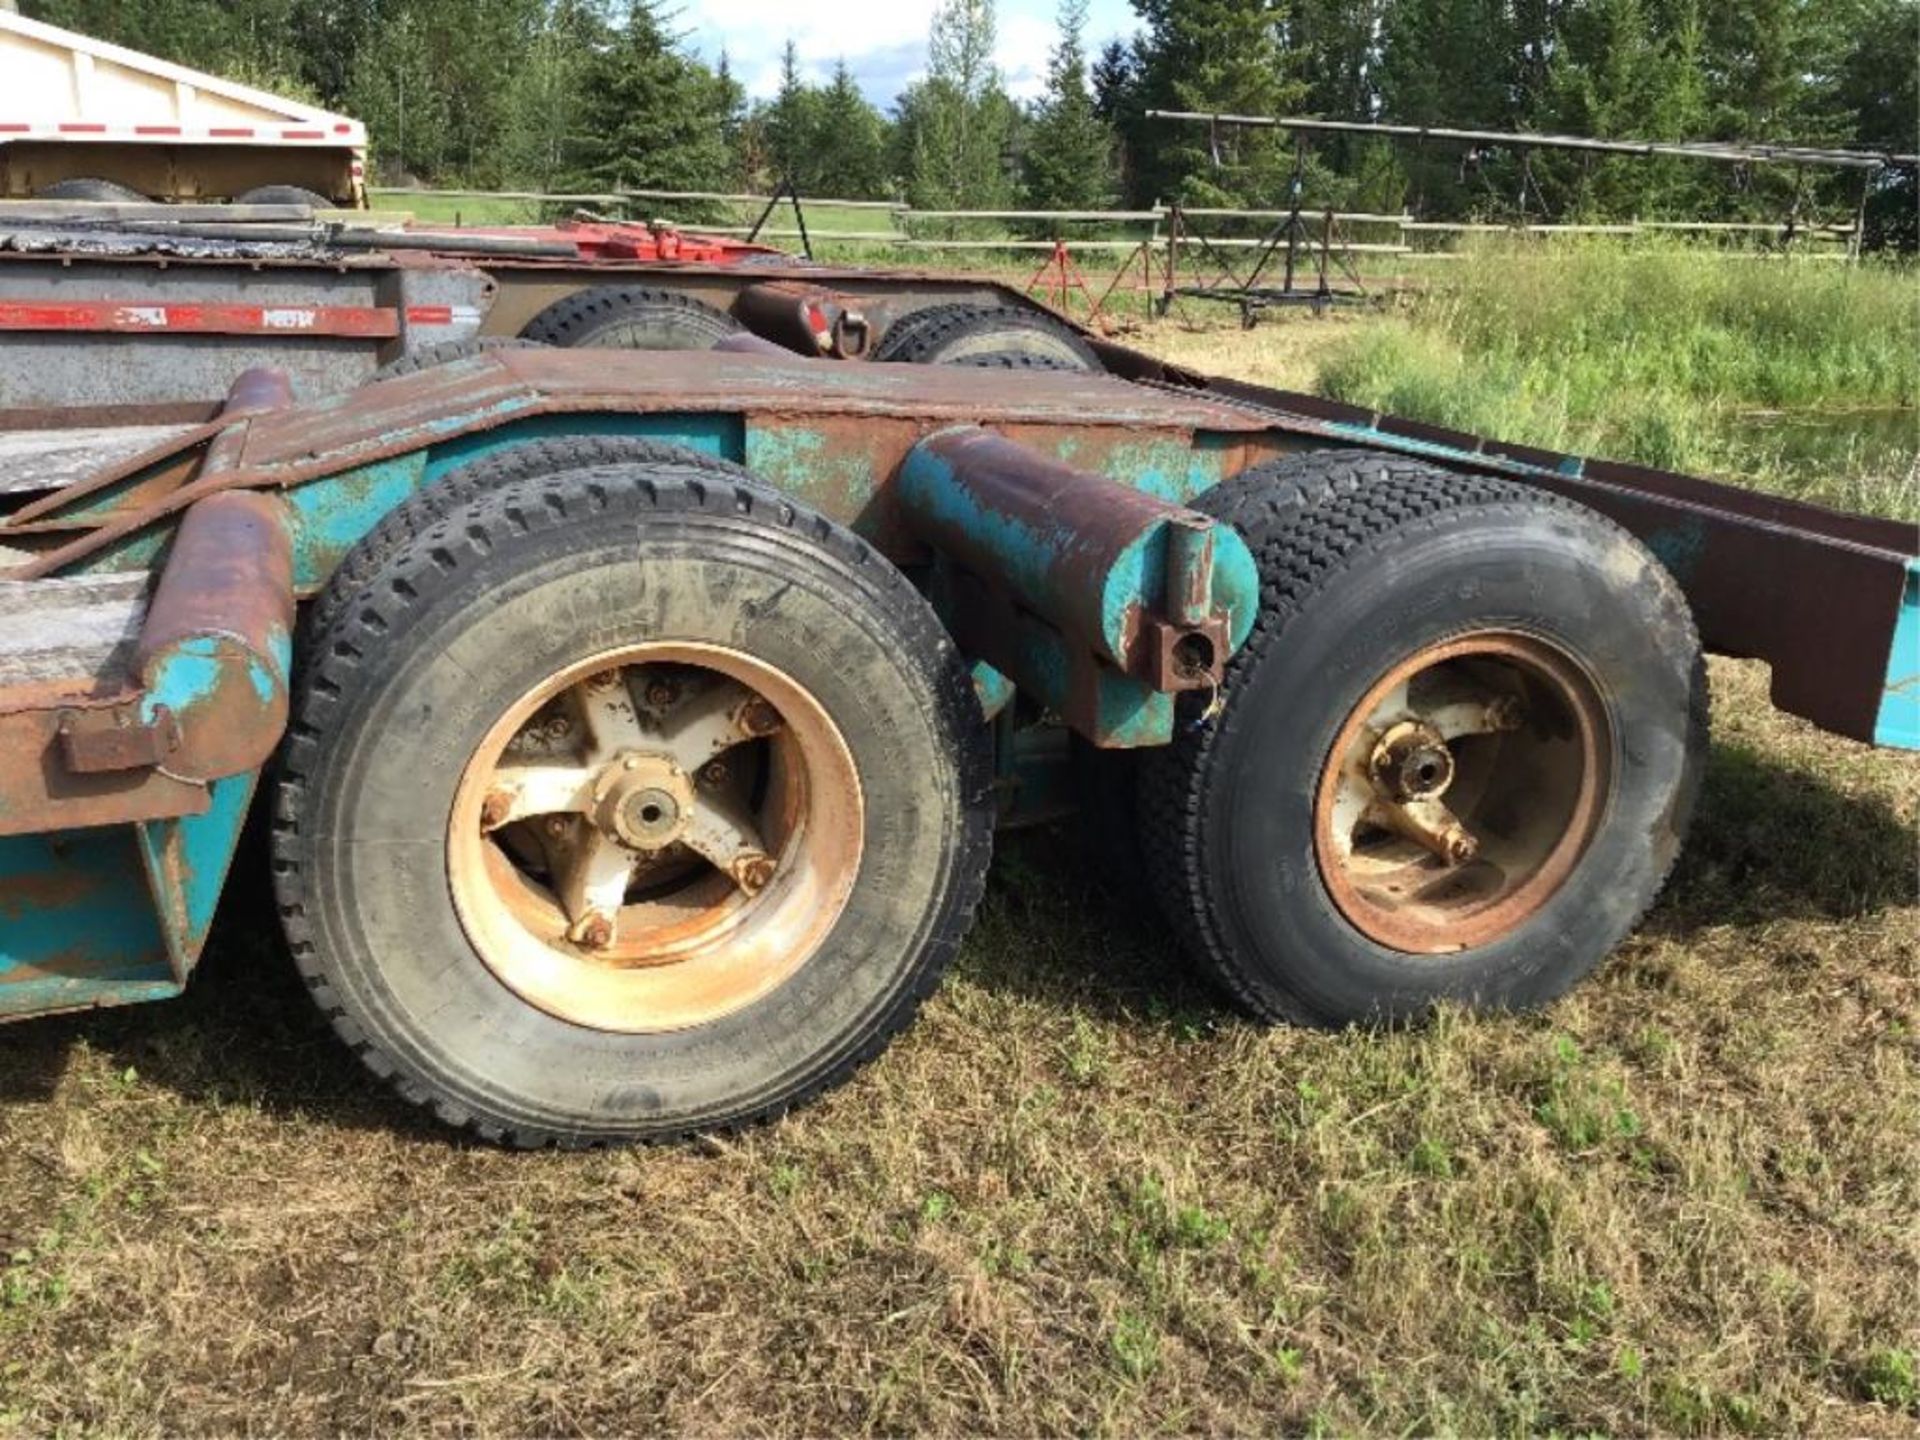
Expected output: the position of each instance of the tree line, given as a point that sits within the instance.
(561, 95)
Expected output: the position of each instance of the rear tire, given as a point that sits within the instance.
(630, 317)
(1264, 843)
(284, 195)
(548, 578)
(445, 352)
(525, 461)
(949, 334)
(91, 189)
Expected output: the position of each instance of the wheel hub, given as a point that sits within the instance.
(655, 837)
(643, 801)
(1461, 791)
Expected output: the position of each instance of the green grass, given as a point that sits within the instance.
(1677, 357)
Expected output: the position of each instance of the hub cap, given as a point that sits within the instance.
(656, 837)
(1461, 792)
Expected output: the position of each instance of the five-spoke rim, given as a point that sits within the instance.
(655, 837)
(1462, 791)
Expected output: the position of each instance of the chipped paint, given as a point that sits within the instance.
(1898, 723)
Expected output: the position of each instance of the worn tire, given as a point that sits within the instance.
(542, 574)
(1350, 588)
(1012, 360)
(284, 195)
(445, 352)
(81, 187)
(1274, 493)
(948, 334)
(524, 461)
(630, 317)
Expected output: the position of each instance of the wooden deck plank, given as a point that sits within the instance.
(66, 629)
(36, 461)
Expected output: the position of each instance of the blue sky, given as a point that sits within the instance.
(883, 41)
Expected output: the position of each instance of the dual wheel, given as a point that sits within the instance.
(626, 798)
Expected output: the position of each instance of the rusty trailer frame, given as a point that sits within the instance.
(146, 607)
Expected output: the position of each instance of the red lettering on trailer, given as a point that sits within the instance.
(124, 316)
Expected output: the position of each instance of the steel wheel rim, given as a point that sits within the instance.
(1462, 791)
(723, 786)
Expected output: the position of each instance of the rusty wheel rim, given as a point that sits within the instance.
(655, 837)
(1462, 791)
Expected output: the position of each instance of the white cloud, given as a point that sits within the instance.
(882, 41)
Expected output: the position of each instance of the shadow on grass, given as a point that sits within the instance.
(1065, 924)
(1776, 842)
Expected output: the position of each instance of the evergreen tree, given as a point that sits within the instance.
(791, 126)
(850, 140)
(650, 118)
(954, 127)
(1222, 56)
(1068, 162)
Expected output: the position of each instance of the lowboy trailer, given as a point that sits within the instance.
(633, 727)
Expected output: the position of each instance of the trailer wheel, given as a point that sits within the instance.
(630, 317)
(631, 801)
(948, 334)
(1454, 763)
(284, 195)
(89, 188)
(526, 460)
(1264, 497)
(445, 352)
(1012, 360)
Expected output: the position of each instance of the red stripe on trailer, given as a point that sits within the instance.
(82, 127)
(429, 314)
(11, 129)
(156, 129)
(303, 134)
(342, 128)
(231, 132)
(135, 317)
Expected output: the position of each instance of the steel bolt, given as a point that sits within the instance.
(757, 717)
(556, 826)
(558, 728)
(714, 772)
(1461, 847)
(753, 872)
(494, 809)
(661, 694)
(595, 932)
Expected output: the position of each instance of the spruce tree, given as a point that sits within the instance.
(1068, 163)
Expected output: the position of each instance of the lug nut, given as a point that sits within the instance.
(757, 717)
(714, 772)
(556, 826)
(661, 694)
(1461, 847)
(595, 932)
(494, 809)
(753, 872)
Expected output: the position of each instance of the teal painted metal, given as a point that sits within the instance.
(186, 863)
(331, 515)
(1899, 721)
(77, 924)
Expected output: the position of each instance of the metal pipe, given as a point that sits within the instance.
(1732, 153)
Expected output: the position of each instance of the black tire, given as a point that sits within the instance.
(527, 460)
(1012, 360)
(445, 352)
(1274, 493)
(88, 188)
(630, 317)
(540, 575)
(1350, 589)
(947, 334)
(284, 195)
